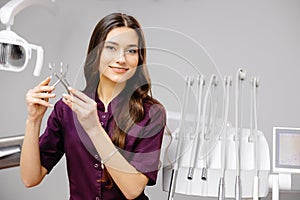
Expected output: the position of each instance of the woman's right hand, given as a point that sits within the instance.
(37, 99)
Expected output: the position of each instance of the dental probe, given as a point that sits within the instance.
(196, 143)
(240, 77)
(172, 187)
(221, 192)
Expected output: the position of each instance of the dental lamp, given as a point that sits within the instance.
(15, 52)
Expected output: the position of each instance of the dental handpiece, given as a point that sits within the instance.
(221, 192)
(195, 147)
(212, 83)
(172, 187)
(240, 77)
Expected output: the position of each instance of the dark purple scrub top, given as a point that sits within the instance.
(64, 135)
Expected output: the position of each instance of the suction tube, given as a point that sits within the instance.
(172, 187)
(240, 76)
(221, 192)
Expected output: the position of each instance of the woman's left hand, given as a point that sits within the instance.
(84, 107)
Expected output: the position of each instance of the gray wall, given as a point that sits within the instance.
(259, 36)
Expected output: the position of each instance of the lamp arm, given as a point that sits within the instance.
(13, 7)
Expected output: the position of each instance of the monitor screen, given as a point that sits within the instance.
(286, 150)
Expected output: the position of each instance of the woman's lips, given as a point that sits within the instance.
(119, 69)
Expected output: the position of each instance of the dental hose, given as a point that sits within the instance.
(172, 186)
(254, 108)
(240, 76)
(221, 191)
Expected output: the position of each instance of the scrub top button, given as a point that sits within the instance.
(102, 123)
(96, 165)
(97, 198)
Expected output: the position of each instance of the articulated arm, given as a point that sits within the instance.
(13, 7)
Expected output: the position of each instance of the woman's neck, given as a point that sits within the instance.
(108, 90)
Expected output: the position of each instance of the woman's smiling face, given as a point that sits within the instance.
(119, 57)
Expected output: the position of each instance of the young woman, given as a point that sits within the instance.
(111, 133)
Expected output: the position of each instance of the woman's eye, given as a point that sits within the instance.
(111, 48)
(132, 51)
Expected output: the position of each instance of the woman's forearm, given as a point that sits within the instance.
(31, 170)
(130, 181)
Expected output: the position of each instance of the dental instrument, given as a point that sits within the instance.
(15, 52)
(174, 173)
(212, 83)
(61, 78)
(221, 191)
(196, 142)
(240, 77)
(254, 132)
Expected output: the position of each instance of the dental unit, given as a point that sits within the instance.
(15, 52)
(240, 77)
(174, 173)
(222, 163)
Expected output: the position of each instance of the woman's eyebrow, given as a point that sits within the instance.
(115, 43)
(111, 42)
(133, 45)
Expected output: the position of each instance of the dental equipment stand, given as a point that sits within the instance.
(240, 77)
(221, 192)
(281, 181)
(173, 181)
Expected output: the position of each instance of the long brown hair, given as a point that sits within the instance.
(138, 87)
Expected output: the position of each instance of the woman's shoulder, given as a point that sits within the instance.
(153, 108)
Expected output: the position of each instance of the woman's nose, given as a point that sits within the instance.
(121, 58)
